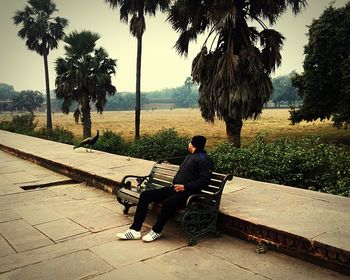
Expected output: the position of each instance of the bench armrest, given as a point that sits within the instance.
(139, 179)
(202, 200)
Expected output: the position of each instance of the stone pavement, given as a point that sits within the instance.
(309, 225)
(66, 231)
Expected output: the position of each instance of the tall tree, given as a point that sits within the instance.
(233, 70)
(325, 83)
(84, 76)
(42, 31)
(137, 9)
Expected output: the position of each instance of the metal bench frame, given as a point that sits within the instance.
(201, 211)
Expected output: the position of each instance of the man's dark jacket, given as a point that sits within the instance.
(194, 172)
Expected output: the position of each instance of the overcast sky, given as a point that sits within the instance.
(162, 67)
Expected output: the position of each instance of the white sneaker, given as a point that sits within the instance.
(130, 234)
(151, 236)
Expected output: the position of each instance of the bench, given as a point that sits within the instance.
(201, 211)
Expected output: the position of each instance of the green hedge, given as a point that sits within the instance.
(166, 144)
(23, 124)
(58, 134)
(111, 142)
(305, 163)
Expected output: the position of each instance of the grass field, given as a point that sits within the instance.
(189, 122)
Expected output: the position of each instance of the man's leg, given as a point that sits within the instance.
(146, 197)
(169, 206)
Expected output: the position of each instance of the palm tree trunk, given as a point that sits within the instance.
(48, 99)
(233, 131)
(138, 88)
(86, 118)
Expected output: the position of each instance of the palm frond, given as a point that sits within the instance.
(226, 67)
(80, 43)
(272, 42)
(271, 10)
(39, 28)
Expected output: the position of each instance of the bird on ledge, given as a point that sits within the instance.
(88, 142)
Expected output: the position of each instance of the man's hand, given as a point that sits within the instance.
(179, 188)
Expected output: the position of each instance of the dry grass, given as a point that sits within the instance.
(189, 122)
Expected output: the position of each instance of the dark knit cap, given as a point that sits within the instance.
(198, 142)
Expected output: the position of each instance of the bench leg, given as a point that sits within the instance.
(196, 223)
(126, 204)
(126, 209)
(217, 234)
(192, 241)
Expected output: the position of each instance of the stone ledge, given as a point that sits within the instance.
(293, 245)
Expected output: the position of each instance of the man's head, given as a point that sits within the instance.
(198, 143)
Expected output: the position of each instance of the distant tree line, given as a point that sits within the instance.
(25, 100)
(285, 92)
(185, 96)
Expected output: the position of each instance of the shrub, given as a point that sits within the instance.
(304, 163)
(164, 145)
(23, 124)
(112, 143)
(58, 134)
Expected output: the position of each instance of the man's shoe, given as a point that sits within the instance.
(151, 236)
(130, 234)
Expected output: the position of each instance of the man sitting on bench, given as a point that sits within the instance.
(194, 174)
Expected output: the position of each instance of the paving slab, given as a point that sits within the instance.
(190, 263)
(10, 189)
(11, 201)
(20, 178)
(271, 265)
(61, 229)
(77, 191)
(121, 253)
(8, 215)
(38, 255)
(78, 265)
(139, 270)
(5, 248)
(93, 216)
(37, 214)
(22, 236)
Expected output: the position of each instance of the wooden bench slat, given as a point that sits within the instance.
(166, 167)
(218, 176)
(164, 172)
(215, 183)
(162, 177)
(211, 189)
(161, 183)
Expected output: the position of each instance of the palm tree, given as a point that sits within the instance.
(234, 65)
(84, 77)
(42, 32)
(137, 10)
